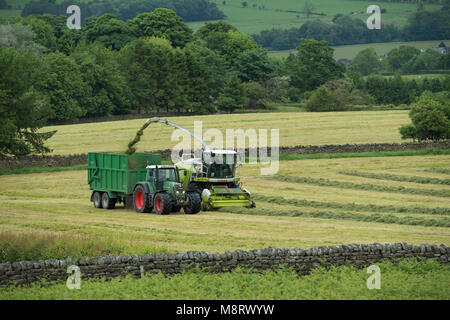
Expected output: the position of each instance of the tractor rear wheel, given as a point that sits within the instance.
(194, 204)
(163, 203)
(97, 199)
(107, 202)
(140, 200)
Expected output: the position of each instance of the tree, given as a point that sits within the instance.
(63, 84)
(162, 23)
(253, 65)
(22, 109)
(430, 117)
(20, 37)
(3, 4)
(313, 65)
(101, 72)
(256, 94)
(150, 67)
(232, 96)
(107, 31)
(366, 62)
(399, 57)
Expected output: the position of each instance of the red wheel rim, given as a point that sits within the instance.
(158, 204)
(139, 199)
(188, 208)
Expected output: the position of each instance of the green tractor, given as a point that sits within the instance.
(139, 181)
(212, 175)
(163, 192)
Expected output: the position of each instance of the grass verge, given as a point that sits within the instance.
(402, 279)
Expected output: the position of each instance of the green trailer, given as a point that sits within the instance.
(138, 180)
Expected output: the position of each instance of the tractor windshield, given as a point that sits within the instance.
(167, 174)
(221, 171)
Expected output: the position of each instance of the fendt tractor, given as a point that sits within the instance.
(212, 175)
(140, 181)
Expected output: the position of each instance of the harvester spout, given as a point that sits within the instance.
(167, 122)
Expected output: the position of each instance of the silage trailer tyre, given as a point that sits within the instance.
(97, 199)
(107, 202)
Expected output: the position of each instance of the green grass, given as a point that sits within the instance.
(27, 170)
(402, 279)
(38, 246)
(438, 170)
(350, 51)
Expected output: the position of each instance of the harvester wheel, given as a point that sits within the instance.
(195, 203)
(163, 203)
(97, 199)
(140, 200)
(107, 202)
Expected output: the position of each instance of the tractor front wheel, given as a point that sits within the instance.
(107, 202)
(163, 203)
(194, 204)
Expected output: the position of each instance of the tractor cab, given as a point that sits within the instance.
(165, 178)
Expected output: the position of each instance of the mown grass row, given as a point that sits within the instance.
(28, 170)
(376, 217)
(395, 177)
(359, 186)
(351, 206)
(401, 279)
(36, 246)
(369, 154)
(438, 170)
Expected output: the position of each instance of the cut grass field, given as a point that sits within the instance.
(403, 279)
(295, 128)
(57, 204)
(350, 51)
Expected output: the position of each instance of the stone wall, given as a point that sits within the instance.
(302, 260)
(77, 159)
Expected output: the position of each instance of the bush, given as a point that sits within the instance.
(430, 119)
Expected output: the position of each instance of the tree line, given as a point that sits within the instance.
(155, 62)
(189, 10)
(344, 30)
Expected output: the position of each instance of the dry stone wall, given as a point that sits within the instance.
(77, 159)
(302, 260)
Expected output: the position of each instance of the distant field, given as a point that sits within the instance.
(253, 20)
(350, 51)
(294, 128)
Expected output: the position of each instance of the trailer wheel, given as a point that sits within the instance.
(97, 199)
(107, 202)
(195, 203)
(140, 200)
(163, 203)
